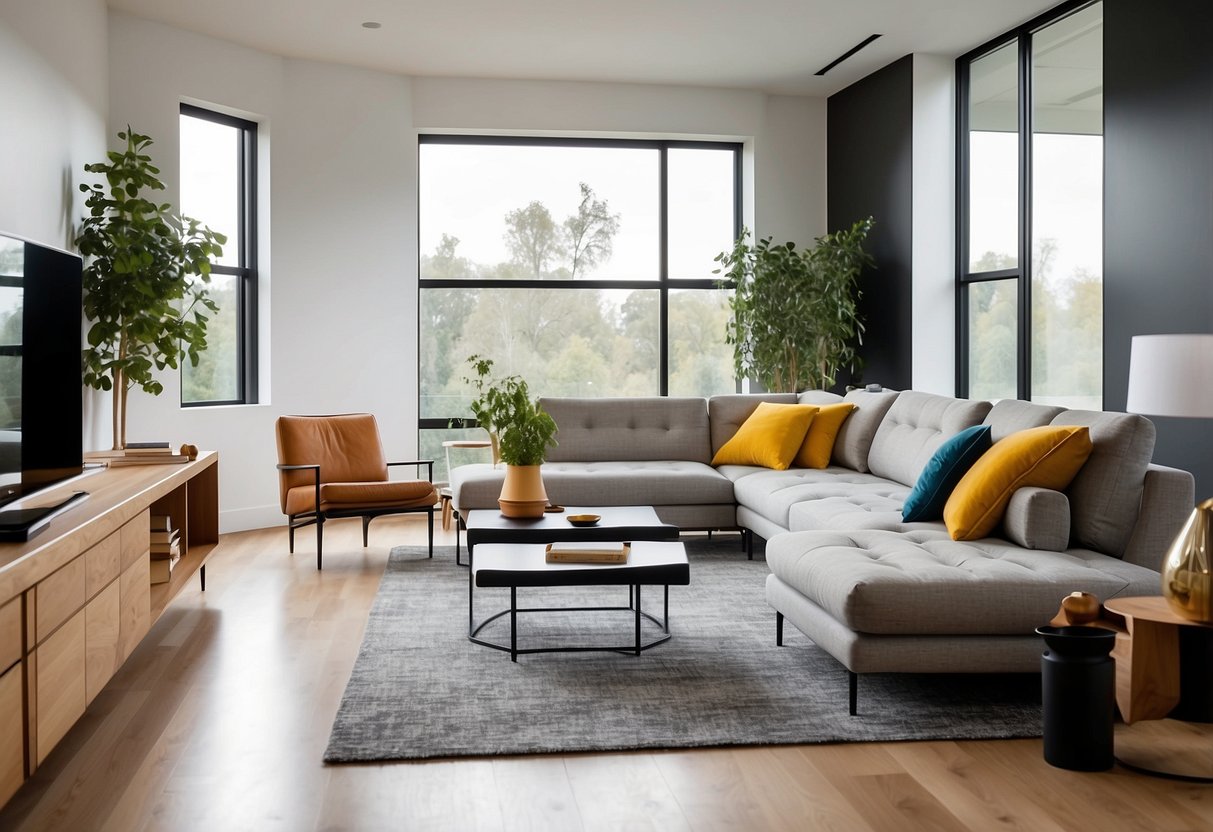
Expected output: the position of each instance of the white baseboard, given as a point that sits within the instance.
(255, 517)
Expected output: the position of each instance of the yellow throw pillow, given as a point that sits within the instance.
(819, 442)
(1044, 457)
(769, 437)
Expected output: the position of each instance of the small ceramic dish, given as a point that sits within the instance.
(584, 519)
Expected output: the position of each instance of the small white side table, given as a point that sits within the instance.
(445, 493)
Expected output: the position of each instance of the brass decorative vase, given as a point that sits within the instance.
(1186, 580)
(522, 493)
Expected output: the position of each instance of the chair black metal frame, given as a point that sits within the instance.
(317, 517)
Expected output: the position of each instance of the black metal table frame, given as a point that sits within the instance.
(634, 605)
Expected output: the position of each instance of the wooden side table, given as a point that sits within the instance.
(1162, 670)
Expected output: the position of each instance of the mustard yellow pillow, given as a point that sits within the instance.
(770, 437)
(1044, 457)
(819, 441)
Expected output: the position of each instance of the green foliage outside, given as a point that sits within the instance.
(1067, 332)
(570, 342)
(795, 322)
(140, 290)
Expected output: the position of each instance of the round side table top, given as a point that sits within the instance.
(1150, 608)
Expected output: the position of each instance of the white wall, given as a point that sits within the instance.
(53, 101)
(934, 218)
(338, 244)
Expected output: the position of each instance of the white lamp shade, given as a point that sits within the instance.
(1171, 375)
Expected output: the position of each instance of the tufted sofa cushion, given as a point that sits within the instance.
(642, 428)
(878, 508)
(771, 494)
(640, 482)
(914, 428)
(923, 583)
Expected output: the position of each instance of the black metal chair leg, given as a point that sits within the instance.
(366, 525)
(779, 629)
(431, 514)
(854, 690)
(290, 526)
(319, 542)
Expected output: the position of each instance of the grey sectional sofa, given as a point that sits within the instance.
(879, 594)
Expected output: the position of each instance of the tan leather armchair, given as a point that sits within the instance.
(333, 466)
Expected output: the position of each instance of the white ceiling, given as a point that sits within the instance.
(769, 45)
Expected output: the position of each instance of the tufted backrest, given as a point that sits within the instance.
(854, 441)
(1105, 496)
(648, 427)
(1008, 416)
(914, 428)
(728, 412)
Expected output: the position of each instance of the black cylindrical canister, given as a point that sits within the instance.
(1078, 689)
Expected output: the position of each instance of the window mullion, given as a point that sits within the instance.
(1024, 384)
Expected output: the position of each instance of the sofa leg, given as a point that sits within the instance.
(779, 629)
(853, 690)
(366, 525)
(749, 544)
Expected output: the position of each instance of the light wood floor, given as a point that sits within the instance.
(219, 719)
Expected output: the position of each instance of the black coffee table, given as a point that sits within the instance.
(513, 565)
(617, 523)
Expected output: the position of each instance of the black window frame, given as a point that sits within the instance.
(663, 284)
(1022, 273)
(246, 270)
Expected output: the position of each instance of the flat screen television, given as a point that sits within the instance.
(41, 387)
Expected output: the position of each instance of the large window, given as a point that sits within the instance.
(218, 188)
(1030, 199)
(583, 265)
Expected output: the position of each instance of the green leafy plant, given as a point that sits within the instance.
(520, 429)
(795, 313)
(146, 283)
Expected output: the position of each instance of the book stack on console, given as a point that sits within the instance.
(166, 548)
(587, 552)
(139, 453)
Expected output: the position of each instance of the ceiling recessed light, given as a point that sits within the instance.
(371, 24)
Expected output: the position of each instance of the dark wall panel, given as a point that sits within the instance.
(1158, 201)
(869, 172)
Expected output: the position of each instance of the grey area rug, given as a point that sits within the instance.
(420, 689)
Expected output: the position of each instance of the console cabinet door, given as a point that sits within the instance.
(60, 683)
(101, 639)
(12, 737)
(135, 587)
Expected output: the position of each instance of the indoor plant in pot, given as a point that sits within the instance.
(524, 432)
(795, 322)
(146, 282)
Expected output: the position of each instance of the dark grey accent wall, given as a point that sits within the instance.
(1158, 199)
(869, 171)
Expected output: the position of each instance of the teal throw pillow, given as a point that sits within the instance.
(943, 472)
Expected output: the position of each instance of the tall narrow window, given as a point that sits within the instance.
(583, 265)
(218, 188)
(1030, 200)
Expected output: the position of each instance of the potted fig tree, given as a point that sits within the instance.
(795, 322)
(146, 282)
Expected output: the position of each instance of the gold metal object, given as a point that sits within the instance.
(1187, 580)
